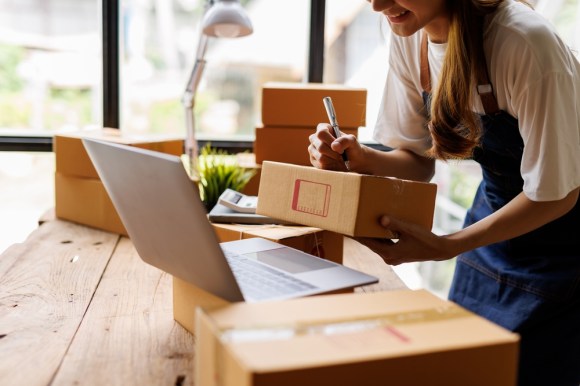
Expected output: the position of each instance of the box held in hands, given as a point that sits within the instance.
(347, 203)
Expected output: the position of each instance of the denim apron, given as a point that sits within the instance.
(529, 284)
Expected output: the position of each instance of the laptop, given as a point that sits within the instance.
(162, 212)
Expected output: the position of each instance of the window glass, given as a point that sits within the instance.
(356, 52)
(50, 65)
(159, 47)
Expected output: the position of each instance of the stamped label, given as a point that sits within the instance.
(311, 197)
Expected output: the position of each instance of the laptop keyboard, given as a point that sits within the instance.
(259, 281)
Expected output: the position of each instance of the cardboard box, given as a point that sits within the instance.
(248, 160)
(403, 338)
(286, 144)
(300, 104)
(315, 241)
(79, 193)
(85, 201)
(347, 203)
(187, 297)
(72, 158)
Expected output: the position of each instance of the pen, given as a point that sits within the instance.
(334, 123)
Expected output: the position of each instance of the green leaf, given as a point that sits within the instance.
(219, 171)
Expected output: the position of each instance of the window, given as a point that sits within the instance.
(356, 40)
(159, 46)
(50, 64)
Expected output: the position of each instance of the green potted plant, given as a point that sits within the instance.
(218, 171)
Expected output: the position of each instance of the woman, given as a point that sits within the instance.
(490, 81)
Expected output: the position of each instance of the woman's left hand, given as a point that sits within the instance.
(414, 243)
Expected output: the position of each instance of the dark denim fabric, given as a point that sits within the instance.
(530, 284)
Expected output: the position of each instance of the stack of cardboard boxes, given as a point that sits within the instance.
(80, 196)
(291, 112)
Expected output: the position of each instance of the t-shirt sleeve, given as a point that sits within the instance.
(547, 105)
(401, 122)
(549, 125)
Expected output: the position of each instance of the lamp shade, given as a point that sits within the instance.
(227, 18)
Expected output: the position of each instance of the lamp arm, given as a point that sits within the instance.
(188, 102)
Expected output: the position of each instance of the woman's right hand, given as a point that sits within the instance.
(326, 151)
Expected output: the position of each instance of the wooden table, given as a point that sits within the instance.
(78, 306)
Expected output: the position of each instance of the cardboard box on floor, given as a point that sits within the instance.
(315, 241)
(286, 144)
(79, 193)
(347, 203)
(403, 338)
(300, 104)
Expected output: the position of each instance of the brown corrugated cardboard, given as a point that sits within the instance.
(286, 144)
(187, 297)
(347, 203)
(315, 241)
(300, 104)
(248, 160)
(79, 194)
(403, 338)
(73, 160)
(85, 201)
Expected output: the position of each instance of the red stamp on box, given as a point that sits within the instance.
(311, 197)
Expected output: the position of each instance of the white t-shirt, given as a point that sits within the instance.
(536, 79)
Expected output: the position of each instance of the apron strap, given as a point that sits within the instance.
(485, 91)
(425, 73)
(484, 88)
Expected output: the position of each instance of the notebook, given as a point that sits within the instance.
(162, 212)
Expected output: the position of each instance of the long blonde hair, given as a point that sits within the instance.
(455, 129)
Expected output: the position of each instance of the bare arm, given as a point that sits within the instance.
(325, 153)
(519, 216)
(397, 163)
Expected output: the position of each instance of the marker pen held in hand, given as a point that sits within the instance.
(334, 123)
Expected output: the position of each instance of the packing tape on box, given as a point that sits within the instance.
(345, 326)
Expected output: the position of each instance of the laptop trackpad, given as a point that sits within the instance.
(289, 260)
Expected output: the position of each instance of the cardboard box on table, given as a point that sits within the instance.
(403, 338)
(286, 144)
(187, 297)
(72, 158)
(347, 203)
(300, 104)
(85, 201)
(80, 196)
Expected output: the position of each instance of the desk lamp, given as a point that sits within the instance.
(222, 18)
